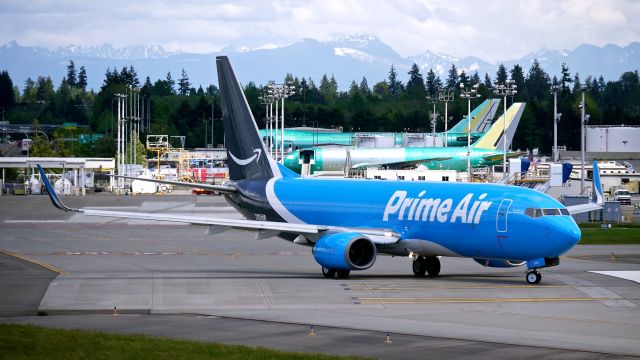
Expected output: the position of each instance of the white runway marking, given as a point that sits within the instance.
(627, 275)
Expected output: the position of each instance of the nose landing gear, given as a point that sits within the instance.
(533, 277)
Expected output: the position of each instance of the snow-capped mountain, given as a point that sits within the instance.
(348, 58)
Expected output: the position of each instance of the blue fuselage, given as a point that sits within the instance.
(471, 220)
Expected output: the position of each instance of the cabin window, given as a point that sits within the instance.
(377, 177)
(445, 178)
(400, 177)
(421, 178)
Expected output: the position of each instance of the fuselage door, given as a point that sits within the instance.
(501, 217)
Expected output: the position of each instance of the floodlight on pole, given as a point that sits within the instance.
(433, 100)
(556, 119)
(469, 94)
(582, 121)
(446, 96)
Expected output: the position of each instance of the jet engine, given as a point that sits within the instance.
(345, 251)
(499, 263)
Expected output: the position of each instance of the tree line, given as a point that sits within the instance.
(178, 108)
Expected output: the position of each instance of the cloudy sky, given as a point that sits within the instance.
(490, 29)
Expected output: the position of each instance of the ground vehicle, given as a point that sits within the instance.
(622, 195)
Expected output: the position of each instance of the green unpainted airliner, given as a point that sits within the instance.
(484, 152)
(295, 139)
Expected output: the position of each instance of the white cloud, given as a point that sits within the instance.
(493, 30)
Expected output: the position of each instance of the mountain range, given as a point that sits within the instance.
(347, 58)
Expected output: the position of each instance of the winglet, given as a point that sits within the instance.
(52, 193)
(597, 195)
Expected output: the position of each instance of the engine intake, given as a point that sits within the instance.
(345, 251)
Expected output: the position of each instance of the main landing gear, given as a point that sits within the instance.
(533, 277)
(333, 273)
(426, 265)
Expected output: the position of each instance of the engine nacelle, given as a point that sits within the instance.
(499, 263)
(345, 251)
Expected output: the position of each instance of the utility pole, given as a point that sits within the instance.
(582, 119)
(508, 88)
(472, 93)
(433, 100)
(446, 96)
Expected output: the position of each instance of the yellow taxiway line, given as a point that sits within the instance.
(33, 261)
(391, 301)
(423, 287)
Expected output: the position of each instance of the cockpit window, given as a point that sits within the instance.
(536, 213)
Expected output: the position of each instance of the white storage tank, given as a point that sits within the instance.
(621, 138)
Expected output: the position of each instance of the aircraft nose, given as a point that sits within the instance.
(568, 234)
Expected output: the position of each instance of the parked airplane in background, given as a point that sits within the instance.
(486, 151)
(347, 223)
(295, 139)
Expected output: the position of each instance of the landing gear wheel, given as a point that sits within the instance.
(343, 274)
(328, 273)
(419, 266)
(533, 277)
(433, 266)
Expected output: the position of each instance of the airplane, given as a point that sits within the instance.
(486, 151)
(295, 139)
(347, 223)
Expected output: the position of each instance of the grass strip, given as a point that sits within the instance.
(34, 342)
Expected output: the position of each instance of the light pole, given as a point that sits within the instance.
(472, 93)
(433, 100)
(111, 127)
(267, 101)
(556, 120)
(508, 88)
(446, 96)
(582, 163)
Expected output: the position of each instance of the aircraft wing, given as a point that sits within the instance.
(597, 200)
(400, 164)
(220, 188)
(308, 233)
(498, 156)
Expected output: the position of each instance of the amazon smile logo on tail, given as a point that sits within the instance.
(243, 162)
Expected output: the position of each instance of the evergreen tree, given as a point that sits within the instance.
(452, 80)
(577, 85)
(537, 83)
(354, 89)
(415, 85)
(7, 96)
(475, 78)
(517, 75)
(334, 85)
(183, 83)
(30, 92)
(431, 84)
(364, 86)
(395, 85)
(170, 83)
(82, 79)
(487, 82)
(566, 77)
(45, 90)
(72, 78)
(501, 74)
(464, 79)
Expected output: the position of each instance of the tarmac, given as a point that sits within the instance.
(173, 280)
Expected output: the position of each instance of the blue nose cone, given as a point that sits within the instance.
(567, 234)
